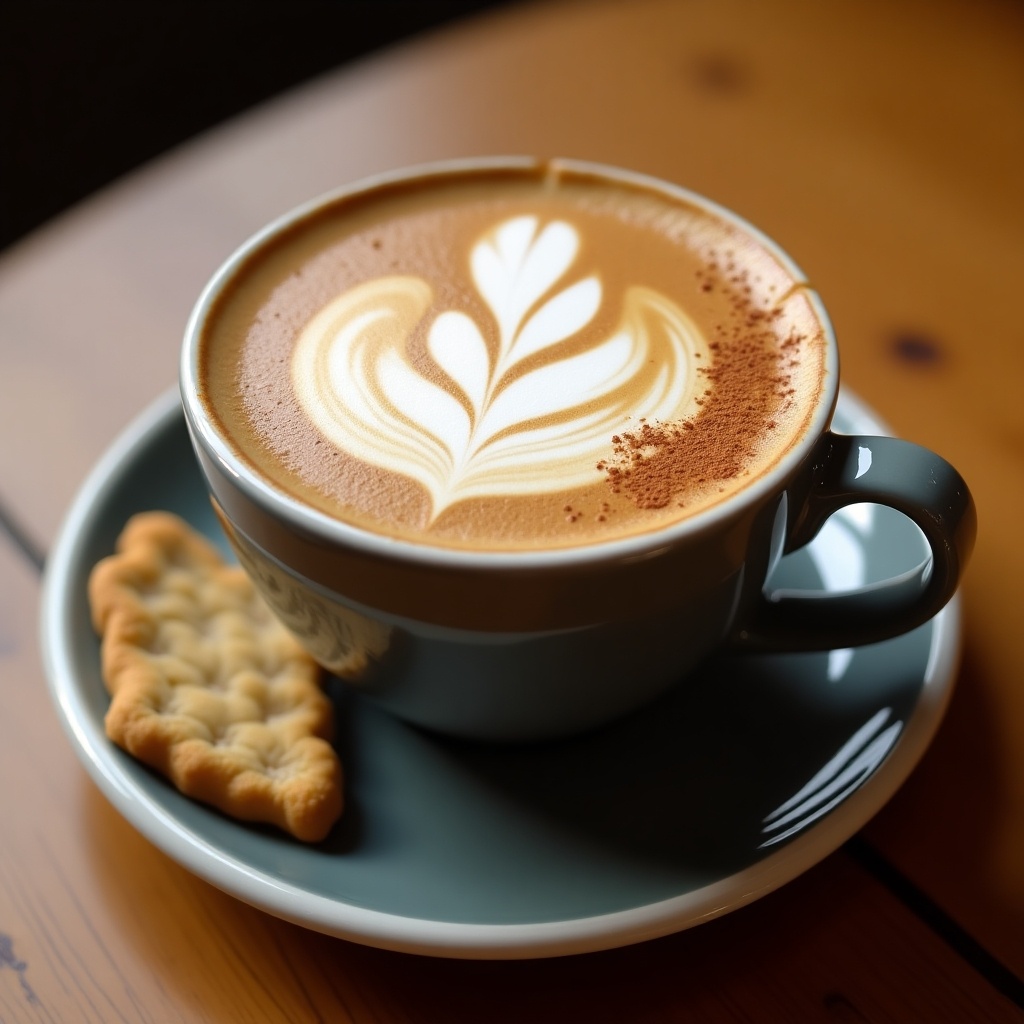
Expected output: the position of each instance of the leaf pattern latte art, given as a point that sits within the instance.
(492, 426)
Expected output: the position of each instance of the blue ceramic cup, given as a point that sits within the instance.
(528, 645)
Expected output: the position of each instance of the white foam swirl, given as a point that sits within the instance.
(485, 424)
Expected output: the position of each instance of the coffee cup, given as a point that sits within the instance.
(511, 445)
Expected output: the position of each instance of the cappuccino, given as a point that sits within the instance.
(513, 358)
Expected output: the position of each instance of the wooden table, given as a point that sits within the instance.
(882, 145)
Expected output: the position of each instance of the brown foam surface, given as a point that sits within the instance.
(759, 380)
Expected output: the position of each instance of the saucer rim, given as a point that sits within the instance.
(402, 933)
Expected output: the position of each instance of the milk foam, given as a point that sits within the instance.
(507, 407)
(514, 359)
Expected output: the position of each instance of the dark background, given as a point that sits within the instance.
(89, 91)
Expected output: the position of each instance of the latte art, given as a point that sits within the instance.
(508, 408)
(514, 358)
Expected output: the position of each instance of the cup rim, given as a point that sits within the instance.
(308, 520)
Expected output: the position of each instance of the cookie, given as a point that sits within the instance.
(207, 687)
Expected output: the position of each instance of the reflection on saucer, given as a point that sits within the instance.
(856, 760)
(839, 556)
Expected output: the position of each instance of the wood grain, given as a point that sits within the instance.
(881, 144)
(854, 146)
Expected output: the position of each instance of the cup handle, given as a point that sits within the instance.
(845, 470)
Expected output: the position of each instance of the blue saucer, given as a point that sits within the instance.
(742, 778)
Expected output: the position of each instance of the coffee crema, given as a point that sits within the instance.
(528, 358)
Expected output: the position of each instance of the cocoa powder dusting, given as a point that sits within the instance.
(747, 386)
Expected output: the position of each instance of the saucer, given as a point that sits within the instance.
(731, 785)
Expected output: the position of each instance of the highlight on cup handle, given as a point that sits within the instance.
(847, 470)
